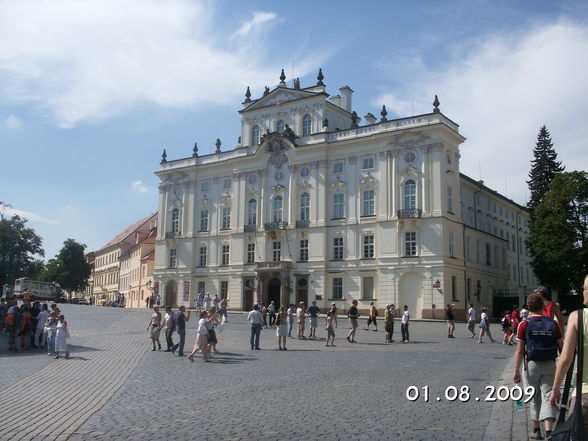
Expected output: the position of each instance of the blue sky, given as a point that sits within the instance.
(92, 91)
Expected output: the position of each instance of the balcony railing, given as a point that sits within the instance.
(410, 213)
(172, 235)
(250, 228)
(269, 226)
(302, 223)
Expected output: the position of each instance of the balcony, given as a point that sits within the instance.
(302, 223)
(272, 226)
(172, 235)
(273, 266)
(250, 228)
(410, 213)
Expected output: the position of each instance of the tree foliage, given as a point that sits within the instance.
(559, 233)
(69, 267)
(544, 168)
(18, 247)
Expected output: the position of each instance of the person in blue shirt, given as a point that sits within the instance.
(313, 311)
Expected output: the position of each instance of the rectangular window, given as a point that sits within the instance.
(173, 261)
(338, 248)
(277, 251)
(227, 183)
(203, 256)
(478, 251)
(369, 208)
(225, 255)
(451, 245)
(449, 200)
(304, 250)
(201, 288)
(467, 248)
(454, 288)
(488, 254)
(368, 162)
(338, 167)
(368, 247)
(367, 287)
(203, 220)
(224, 289)
(250, 253)
(337, 288)
(226, 224)
(410, 244)
(496, 262)
(338, 206)
(469, 288)
(205, 186)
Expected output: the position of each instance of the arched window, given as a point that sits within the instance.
(306, 125)
(277, 209)
(175, 220)
(280, 126)
(409, 195)
(252, 212)
(255, 135)
(305, 207)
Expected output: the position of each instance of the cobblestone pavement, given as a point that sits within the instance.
(115, 387)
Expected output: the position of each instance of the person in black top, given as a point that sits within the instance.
(35, 310)
(353, 315)
(181, 319)
(450, 320)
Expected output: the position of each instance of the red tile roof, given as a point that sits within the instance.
(142, 224)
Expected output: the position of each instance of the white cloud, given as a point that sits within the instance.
(138, 186)
(33, 217)
(12, 123)
(259, 18)
(80, 61)
(501, 91)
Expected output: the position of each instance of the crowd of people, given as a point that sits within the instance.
(35, 325)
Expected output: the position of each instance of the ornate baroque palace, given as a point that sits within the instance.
(312, 205)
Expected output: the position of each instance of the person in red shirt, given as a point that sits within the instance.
(515, 320)
(551, 309)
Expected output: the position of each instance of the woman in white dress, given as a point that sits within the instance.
(61, 337)
(201, 337)
(282, 328)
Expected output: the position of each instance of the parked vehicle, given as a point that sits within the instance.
(32, 290)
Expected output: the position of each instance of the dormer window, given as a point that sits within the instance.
(306, 125)
(280, 126)
(255, 135)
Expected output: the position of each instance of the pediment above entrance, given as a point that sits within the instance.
(280, 95)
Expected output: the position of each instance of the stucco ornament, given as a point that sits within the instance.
(276, 147)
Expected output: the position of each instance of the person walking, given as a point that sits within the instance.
(61, 336)
(334, 313)
(450, 317)
(404, 325)
(207, 302)
(330, 330)
(388, 325)
(291, 314)
(567, 356)
(50, 330)
(506, 323)
(223, 308)
(216, 301)
(256, 320)
(201, 338)
(27, 327)
(34, 311)
(313, 311)
(539, 338)
(213, 320)
(372, 314)
(169, 324)
(353, 315)
(271, 311)
(155, 326)
(282, 328)
(485, 326)
(13, 325)
(515, 321)
(472, 320)
(181, 319)
(524, 312)
(300, 314)
(40, 336)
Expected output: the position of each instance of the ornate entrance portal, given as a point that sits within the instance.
(273, 282)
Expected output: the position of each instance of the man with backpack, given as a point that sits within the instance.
(539, 339)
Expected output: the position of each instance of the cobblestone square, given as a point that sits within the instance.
(115, 387)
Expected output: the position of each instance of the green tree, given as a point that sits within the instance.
(69, 267)
(559, 233)
(544, 167)
(18, 247)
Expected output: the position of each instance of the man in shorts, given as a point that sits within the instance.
(313, 311)
(330, 330)
(353, 315)
(450, 320)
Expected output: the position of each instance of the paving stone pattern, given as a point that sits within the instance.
(117, 388)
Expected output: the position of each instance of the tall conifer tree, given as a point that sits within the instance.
(544, 167)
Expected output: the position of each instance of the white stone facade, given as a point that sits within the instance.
(331, 210)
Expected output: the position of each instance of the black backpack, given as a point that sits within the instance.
(541, 339)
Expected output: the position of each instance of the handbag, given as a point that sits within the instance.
(572, 429)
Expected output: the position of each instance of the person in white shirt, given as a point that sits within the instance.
(256, 320)
(207, 302)
(404, 325)
(39, 332)
(472, 320)
(169, 324)
(485, 326)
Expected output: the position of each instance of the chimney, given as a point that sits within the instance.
(346, 93)
(370, 119)
(336, 100)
